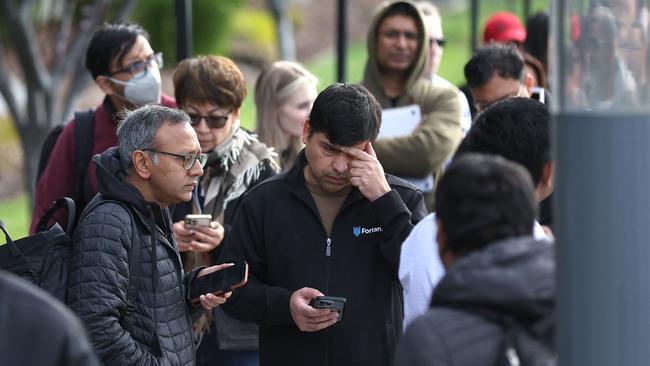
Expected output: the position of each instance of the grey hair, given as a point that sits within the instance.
(138, 128)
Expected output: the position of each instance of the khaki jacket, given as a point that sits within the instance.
(424, 151)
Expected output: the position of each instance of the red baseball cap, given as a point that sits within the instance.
(504, 27)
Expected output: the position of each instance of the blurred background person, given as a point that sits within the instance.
(536, 43)
(211, 89)
(437, 42)
(284, 94)
(607, 81)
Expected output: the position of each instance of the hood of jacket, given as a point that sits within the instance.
(514, 277)
(112, 185)
(372, 74)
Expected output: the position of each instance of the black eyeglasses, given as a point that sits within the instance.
(393, 34)
(188, 159)
(441, 42)
(212, 121)
(138, 66)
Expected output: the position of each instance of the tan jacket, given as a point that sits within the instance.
(424, 151)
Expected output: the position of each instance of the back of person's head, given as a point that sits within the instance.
(137, 130)
(111, 41)
(275, 85)
(214, 80)
(536, 42)
(504, 27)
(517, 129)
(482, 199)
(347, 113)
(502, 59)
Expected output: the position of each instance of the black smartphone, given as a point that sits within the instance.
(220, 281)
(329, 302)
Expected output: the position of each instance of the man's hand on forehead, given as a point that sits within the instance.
(366, 173)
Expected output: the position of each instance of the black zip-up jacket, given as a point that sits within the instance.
(99, 277)
(278, 231)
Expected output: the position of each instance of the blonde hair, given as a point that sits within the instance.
(274, 86)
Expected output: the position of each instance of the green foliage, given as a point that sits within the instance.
(211, 25)
(253, 34)
(15, 214)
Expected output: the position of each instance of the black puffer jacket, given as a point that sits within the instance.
(515, 277)
(36, 329)
(99, 277)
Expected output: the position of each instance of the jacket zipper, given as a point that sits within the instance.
(328, 254)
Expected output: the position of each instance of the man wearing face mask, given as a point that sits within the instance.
(125, 67)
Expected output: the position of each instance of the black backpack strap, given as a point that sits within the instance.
(84, 130)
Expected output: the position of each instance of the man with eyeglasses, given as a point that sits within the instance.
(495, 73)
(398, 48)
(125, 241)
(437, 43)
(125, 67)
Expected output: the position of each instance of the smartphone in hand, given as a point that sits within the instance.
(329, 302)
(220, 281)
(192, 221)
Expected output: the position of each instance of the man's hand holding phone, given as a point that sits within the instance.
(211, 300)
(198, 233)
(307, 318)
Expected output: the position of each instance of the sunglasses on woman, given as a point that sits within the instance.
(211, 121)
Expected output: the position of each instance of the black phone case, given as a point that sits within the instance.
(218, 282)
(330, 302)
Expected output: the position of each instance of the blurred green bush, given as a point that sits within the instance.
(211, 25)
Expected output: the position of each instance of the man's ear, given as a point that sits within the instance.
(545, 184)
(104, 84)
(446, 257)
(306, 128)
(529, 82)
(142, 164)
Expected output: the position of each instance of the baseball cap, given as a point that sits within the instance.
(504, 27)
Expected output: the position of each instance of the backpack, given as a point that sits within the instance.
(43, 258)
(83, 138)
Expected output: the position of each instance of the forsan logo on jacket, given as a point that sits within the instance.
(358, 230)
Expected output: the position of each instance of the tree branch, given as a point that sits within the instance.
(63, 35)
(80, 42)
(6, 90)
(80, 80)
(124, 10)
(25, 43)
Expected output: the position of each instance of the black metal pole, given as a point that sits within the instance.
(341, 44)
(474, 26)
(526, 9)
(183, 29)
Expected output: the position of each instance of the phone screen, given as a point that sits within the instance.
(219, 281)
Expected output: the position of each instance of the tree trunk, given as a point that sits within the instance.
(32, 140)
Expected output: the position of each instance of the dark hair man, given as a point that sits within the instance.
(517, 129)
(496, 72)
(126, 69)
(398, 48)
(157, 164)
(496, 271)
(331, 225)
(36, 329)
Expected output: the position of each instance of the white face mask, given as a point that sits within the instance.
(143, 88)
